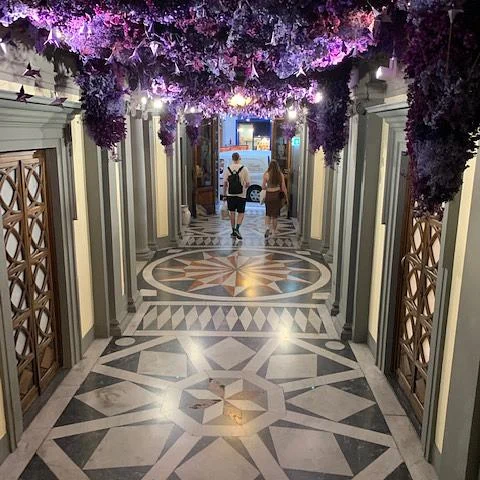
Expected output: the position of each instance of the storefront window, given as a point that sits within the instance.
(255, 134)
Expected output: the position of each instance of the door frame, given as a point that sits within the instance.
(39, 126)
(395, 115)
(19, 161)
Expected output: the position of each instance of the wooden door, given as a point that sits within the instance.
(28, 247)
(205, 166)
(415, 306)
(282, 153)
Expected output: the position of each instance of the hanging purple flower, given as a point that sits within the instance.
(328, 119)
(444, 112)
(289, 129)
(193, 120)
(168, 128)
(196, 54)
(103, 102)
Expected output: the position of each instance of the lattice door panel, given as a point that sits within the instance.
(414, 327)
(24, 206)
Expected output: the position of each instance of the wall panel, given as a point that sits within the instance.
(457, 273)
(81, 231)
(162, 184)
(318, 192)
(379, 243)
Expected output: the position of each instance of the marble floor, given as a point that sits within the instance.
(230, 370)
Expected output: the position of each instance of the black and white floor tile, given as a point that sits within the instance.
(235, 275)
(218, 407)
(214, 232)
(161, 316)
(230, 370)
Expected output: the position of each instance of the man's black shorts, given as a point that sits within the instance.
(236, 204)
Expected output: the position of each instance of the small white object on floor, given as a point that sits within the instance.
(125, 341)
(148, 293)
(320, 295)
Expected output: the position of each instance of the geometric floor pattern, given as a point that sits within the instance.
(158, 316)
(213, 231)
(229, 386)
(236, 274)
(221, 407)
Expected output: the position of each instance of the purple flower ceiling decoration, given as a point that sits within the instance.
(193, 121)
(444, 114)
(328, 120)
(275, 54)
(199, 53)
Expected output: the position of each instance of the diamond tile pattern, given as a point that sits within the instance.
(309, 451)
(229, 352)
(118, 398)
(218, 461)
(292, 366)
(130, 447)
(227, 318)
(331, 403)
(163, 363)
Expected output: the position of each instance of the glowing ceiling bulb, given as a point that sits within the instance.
(144, 100)
(238, 100)
(292, 114)
(158, 103)
(318, 97)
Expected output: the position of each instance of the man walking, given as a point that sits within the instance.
(235, 185)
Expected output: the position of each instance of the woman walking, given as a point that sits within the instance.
(275, 191)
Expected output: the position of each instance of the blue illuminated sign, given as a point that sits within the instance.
(296, 141)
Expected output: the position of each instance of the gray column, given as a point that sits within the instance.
(114, 229)
(369, 165)
(333, 301)
(354, 166)
(129, 221)
(174, 173)
(98, 251)
(305, 190)
(150, 174)
(140, 190)
(105, 218)
(327, 210)
(331, 244)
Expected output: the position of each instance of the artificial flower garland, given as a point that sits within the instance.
(328, 120)
(444, 104)
(273, 53)
(201, 53)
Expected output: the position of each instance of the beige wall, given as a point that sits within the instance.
(81, 231)
(379, 242)
(3, 426)
(118, 191)
(161, 191)
(455, 291)
(318, 196)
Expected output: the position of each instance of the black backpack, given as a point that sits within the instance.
(235, 186)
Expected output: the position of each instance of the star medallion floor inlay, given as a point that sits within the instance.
(231, 369)
(210, 274)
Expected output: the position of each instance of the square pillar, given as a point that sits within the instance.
(106, 223)
(133, 297)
